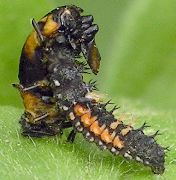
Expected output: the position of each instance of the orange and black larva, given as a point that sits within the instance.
(100, 126)
(56, 97)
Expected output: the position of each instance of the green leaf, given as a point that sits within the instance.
(137, 42)
(141, 61)
(54, 158)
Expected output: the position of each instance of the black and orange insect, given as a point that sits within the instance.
(41, 115)
(56, 97)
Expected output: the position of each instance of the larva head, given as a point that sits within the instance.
(144, 149)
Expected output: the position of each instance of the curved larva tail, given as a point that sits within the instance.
(100, 126)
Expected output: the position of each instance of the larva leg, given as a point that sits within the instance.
(71, 136)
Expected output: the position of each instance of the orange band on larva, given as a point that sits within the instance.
(80, 110)
(106, 137)
(118, 143)
(96, 129)
(126, 130)
(87, 120)
(115, 124)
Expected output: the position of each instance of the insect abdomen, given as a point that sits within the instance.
(100, 126)
(31, 67)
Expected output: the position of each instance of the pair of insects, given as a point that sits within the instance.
(56, 97)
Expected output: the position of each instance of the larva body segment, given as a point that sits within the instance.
(100, 126)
